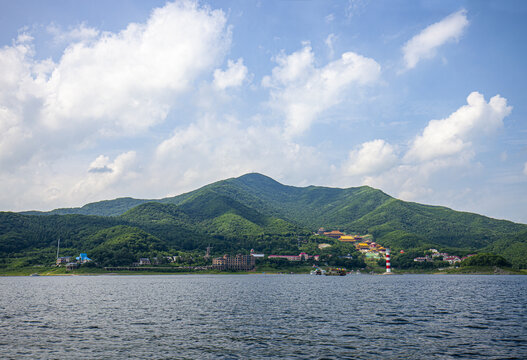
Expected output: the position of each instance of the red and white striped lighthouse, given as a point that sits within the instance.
(388, 265)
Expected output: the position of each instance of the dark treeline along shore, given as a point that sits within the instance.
(253, 211)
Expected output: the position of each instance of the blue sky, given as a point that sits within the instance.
(424, 100)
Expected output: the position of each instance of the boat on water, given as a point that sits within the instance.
(318, 271)
(35, 274)
(336, 272)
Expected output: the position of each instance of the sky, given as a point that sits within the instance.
(424, 100)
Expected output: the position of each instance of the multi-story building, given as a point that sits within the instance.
(238, 262)
(63, 260)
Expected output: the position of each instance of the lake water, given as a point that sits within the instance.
(264, 316)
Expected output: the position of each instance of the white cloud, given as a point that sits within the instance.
(355, 7)
(525, 169)
(301, 91)
(234, 76)
(330, 40)
(425, 44)
(114, 84)
(81, 33)
(450, 136)
(127, 81)
(101, 164)
(415, 181)
(373, 157)
(213, 149)
(103, 174)
(70, 182)
(20, 100)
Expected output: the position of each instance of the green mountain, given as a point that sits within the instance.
(102, 208)
(255, 211)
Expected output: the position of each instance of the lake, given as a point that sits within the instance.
(264, 316)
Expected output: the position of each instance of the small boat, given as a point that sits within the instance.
(336, 272)
(35, 274)
(318, 271)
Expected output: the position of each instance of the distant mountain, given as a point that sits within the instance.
(255, 210)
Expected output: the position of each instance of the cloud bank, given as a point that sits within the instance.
(109, 84)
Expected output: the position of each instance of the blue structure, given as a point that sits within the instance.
(83, 258)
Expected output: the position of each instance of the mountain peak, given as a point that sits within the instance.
(258, 180)
(255, 176)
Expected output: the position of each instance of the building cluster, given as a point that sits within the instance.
(364, 244)
(72, 264)
(247, 262)
(436, 255)
(299, 257)
(371, 249)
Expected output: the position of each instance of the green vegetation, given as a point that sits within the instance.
(253, 212)
(486, 260)
(406, 261)
(512, 247)
(123, 245)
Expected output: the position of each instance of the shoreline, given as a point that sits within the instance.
(454, 271)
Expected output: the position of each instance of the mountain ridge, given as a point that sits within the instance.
(251, 181)
(122, 204)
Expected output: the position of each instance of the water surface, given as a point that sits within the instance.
(264, 316)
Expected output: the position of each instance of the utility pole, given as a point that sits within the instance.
(58, 247)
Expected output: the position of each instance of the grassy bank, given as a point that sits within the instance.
(57, 271)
